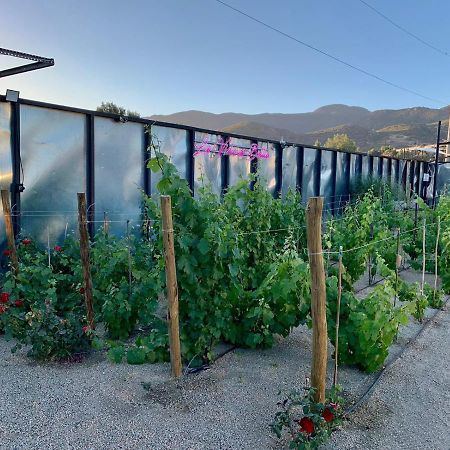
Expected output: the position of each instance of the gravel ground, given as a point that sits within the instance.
(409, 406)
(98, 405)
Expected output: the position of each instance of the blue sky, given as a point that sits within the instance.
(163, 56)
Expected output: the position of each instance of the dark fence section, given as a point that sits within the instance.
(49, 152)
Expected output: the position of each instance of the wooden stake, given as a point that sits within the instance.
(398, 262)
(436, 256)
(85, 262)
(318, 302)
(338, 313)
(105, 223)
(10, 231)
(172, 287)
(423, 253)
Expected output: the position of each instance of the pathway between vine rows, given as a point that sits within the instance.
(97, 405)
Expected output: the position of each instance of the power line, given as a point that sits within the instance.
(335, 58)
(409, 33)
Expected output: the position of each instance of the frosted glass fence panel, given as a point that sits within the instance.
(119, 178)
(402, 173)
(326, 176)
(171, 142)
(309, 158)
(376, 162)
(289, 165)
(266, 167)
(53, 159)
(341, 177)
(394, 172)
(365, 167)
(239, 167)
(5, 157)
(386, 169)
(207, 166)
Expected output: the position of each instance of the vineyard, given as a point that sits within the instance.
(243, 279)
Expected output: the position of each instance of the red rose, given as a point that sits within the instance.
(7, 252)
(58, 248)
(3, 309)
(26, 242)
(86, 329)
(82, 291)
(4, 297)
(306, 425)
(18, 303)
(328, 415)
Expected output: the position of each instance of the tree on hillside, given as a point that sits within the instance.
(111, 107)
(341, 142)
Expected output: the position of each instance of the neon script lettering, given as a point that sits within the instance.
(224, 148)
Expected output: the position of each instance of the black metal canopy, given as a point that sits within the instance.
(40, 62)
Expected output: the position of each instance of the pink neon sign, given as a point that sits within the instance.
(224, 148)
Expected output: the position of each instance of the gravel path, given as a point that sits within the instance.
(409, 407)
(98, 405)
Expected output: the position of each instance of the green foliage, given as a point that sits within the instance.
(368, 327)
(435, 297)
(115, 263)
(341, 142)
(110, 107)
(50, 317)
(233, 283)
(310, 424)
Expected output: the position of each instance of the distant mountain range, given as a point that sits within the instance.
(369, 129)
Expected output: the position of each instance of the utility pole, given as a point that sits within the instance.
(436, 163)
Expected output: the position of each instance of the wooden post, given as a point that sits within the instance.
(105, 223)
(398, 262)
(436, 256)
(338, 313)
(318, 305)
(10, 231)
(424, 235)
(85, 262)
(172, 287)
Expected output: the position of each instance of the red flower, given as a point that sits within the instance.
(58, 248)
(86, 329)
(18, 303)
(7, 252)
(3, 309)
(82, 291)
(306, 425)
(4, 297)
(328, 415)
(26, 242)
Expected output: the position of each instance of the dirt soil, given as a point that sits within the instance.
(94, 404)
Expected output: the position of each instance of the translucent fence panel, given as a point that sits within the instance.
(386, 169)
(239, 166)
(5, 157)
(207, 164)
(443, 181)
(266, 167)
(365, 166)
(119, 178)
(341, 176)
(53, 159)
(375, 170)
(403, 170)
(172, 142)
(326, 176)
(309, 158)
(289, 168)
(394, 171)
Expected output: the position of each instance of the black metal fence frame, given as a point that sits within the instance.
(413, 183)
